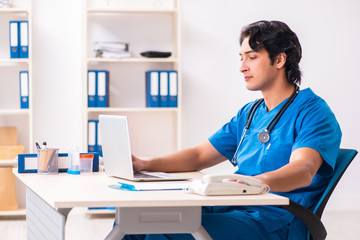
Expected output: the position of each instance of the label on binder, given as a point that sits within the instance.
(91, 89)
(164, 89)
(173, 89)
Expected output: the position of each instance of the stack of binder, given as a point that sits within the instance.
(19, 39)
(94, 141)
(98, 88)
(161, 88)
(24, 89)
(112, 49)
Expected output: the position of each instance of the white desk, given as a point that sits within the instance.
(49, 199)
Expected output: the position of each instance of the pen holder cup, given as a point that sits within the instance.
(48, 161)
(86, 163)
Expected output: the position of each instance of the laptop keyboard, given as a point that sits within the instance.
(144, 175)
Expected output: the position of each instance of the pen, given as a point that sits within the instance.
(37, 145)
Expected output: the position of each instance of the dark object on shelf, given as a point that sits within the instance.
(155, 54)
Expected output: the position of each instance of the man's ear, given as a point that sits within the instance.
(280, 60)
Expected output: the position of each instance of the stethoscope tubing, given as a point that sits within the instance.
(264, 136)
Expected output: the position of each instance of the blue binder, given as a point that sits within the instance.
(14, 39)
(98, 139)
(164, 89)
(24, 39)
(92, 88)
(173, 88)
(27, 163)
(102, 88)
(152, 89)
(24, 89)
(92, 135)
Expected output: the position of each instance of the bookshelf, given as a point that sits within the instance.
(11, 115)
(146, 25)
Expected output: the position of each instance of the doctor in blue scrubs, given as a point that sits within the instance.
(289, 140)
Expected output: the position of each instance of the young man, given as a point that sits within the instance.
(290, 143)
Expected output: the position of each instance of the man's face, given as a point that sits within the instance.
(258, 72)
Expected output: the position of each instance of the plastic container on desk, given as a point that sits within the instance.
(86, 163)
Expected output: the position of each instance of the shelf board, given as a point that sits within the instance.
(14, 60)
(133, 60)
(110, 10)
(14, 111)
(8, 163)
(19, 212)
(116, 110)
(14, 10)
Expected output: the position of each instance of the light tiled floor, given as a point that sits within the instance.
(344, 225)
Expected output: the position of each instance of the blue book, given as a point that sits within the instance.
(102, 88)
(173, 88)
(24, 89)
(152, 89)
(92, 88)
(98, 139)
(24, 39)
(92, 135)
(14, 39)
(164, 89)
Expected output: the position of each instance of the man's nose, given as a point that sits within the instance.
(243, 67)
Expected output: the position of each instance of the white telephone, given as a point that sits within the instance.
(219, 184)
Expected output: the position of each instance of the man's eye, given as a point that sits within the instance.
(252, 58)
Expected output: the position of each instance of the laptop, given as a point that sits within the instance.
(114, 134)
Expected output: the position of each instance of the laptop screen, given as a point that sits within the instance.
(116, 146)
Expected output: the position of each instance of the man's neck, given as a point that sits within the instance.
(277, 94)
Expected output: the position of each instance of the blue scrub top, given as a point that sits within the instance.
(307, 122)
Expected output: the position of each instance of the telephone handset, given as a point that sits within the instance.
(220, 184)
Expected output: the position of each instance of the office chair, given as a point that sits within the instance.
(312, 219)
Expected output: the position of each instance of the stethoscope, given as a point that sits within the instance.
(264, 136)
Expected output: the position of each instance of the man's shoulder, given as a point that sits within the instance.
(308, 99)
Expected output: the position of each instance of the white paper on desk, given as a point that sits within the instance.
(162, 186)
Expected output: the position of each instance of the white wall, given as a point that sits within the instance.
(213, 89)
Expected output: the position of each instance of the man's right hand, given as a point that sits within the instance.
(138, 164)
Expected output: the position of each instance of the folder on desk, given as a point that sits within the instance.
(14, 39)
(164, 89)
(27, 163)
(152, 89)
(173, 89)
(24, 89)
(24, 39)
(92, 88)
(102, 88)
(92, 135)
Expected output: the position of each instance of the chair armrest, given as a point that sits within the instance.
(311, 220)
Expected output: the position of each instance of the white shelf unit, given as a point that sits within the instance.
(153, 131)
(10, 112)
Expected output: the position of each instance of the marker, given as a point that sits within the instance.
(44, 145)
(37, 145)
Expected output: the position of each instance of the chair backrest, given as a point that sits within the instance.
(343, 160)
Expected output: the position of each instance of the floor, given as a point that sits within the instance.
(343, 225)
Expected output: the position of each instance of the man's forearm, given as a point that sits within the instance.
(196, 158)
(304, 164)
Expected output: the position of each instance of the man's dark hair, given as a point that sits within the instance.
(276, 37)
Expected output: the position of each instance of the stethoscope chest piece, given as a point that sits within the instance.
(264, 137)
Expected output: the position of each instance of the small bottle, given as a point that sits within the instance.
(73, 160)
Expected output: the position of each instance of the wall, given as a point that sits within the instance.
(212, 85)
